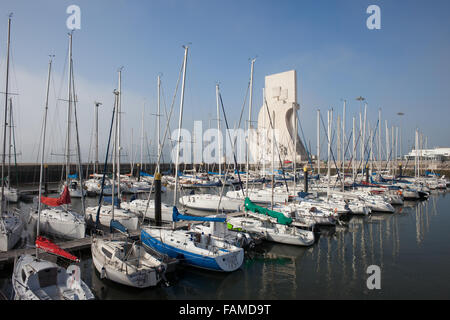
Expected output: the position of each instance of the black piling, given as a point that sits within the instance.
(305, 171)
(158, 199)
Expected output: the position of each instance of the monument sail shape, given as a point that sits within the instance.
(280, 94)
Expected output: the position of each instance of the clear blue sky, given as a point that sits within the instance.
(404, 67)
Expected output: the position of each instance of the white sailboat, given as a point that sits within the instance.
(58, 219)
(34, 278)
(104, 214)
(11, 224)
(37, 279)
(126, 263)
(187, 246)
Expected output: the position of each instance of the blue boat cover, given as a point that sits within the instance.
(108, 200)
(114, 224)
(215, 173)
(145, 174)
(176, 216)
(73, 176)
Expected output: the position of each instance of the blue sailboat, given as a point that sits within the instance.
(194, 248)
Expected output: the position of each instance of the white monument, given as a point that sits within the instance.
(280, 95)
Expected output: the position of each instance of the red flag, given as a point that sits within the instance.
(48, 246)
(64, 198)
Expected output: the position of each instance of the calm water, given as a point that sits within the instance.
(411, 246)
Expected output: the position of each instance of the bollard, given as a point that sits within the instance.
(305, 176)
(158, 199)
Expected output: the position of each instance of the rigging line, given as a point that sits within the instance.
(348, 144)
(234, 154)
(105, 168)
(80, 168)
(165, 111)
(356, 148)
(164, 138)
(90, 147)
(331, 151)
(17, 105)
(277, 147)
(306, 147)
(57, 116)
(365, 149)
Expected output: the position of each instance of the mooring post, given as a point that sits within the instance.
(400, 169)
(139, 171)
(305, 176)
(367, 173)
(158, 199)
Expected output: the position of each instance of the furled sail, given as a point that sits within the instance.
(281, 218)
(64, 198)
(48, 246)
(176, 216)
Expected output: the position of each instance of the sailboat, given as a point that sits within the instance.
(73, 181)
(194, 248)
(35, 278)
(189, 247)
(274, 226)
(58, 219)
(121, 261)
(38, 279)
(104, 214)
(11, 225)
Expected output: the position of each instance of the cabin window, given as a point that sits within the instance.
(24, 275)
(107, 253)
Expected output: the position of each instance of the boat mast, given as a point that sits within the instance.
(295, 145)
(159, 122)
(43, 150)
(9, 142)
(273, 155)
(6, 116)
(97, 104)
(119, 112)
(330, 115)
(264, 138)
(142, 140)
(116, 107)
(354, 152)
(379, 139)
(249, 125)
(218, 130)
(180, 122)
(78, 146)
(318, 141)
(343, 145)
(69, 109)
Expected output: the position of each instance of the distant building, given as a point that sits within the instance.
(281, 97)
(438, 154)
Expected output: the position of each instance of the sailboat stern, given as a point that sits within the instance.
(231, 260)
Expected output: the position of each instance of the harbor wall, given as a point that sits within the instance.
(26, 173)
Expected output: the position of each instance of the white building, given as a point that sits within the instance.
(429, 154)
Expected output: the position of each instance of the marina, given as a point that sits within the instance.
(289, 176)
